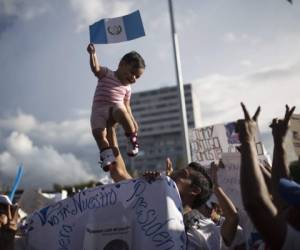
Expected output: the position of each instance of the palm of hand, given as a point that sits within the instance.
(247, 128)
(281, 126)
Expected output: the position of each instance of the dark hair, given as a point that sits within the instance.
(200, 179)
(116, 244)
(135, 59)
(295, 171)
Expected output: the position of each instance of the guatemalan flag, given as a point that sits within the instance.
(119, 29)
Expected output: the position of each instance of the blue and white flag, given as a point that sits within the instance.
(119, 29)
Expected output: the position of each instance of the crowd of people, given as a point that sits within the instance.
(270, 196)
(212, 221)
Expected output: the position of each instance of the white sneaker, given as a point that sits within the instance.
(107, 158)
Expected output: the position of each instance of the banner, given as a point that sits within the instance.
(131, 215)
(208, 143)
(229, 180)
(295, 128)
(229, 177)
(119, 29)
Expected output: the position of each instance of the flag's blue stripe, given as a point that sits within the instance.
(17, 182)
(98, 32)
(133, 25)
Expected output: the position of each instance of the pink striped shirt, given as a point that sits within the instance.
(110, 90)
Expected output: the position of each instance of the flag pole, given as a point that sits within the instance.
(184, 124)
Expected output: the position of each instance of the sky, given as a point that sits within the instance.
(234, 50)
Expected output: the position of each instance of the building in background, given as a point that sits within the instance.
(158, 115)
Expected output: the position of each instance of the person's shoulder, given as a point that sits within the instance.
(104, 71)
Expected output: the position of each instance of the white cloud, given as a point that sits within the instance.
(230, 37)
(84, 113)
(50, 151)
(24, 9)
(246, 63)
(272, 88)
(68, 132)
(22, 122)
(91, 11)
(75, 132)
(43, 165)
(19, 144)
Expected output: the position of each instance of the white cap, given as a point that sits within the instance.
(5, 200)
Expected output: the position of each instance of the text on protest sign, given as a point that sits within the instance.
(295, 128)
(208, 143)
(127, 213)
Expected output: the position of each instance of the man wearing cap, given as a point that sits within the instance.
(195, 188)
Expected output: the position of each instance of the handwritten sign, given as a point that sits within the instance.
(208, 143)
(229, 177)
(133, 214)
(229, 180)
(295, 128)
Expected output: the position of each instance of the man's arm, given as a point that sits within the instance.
(94, 64)
(118, 172)
(266, 171)
(256, 198)
(280, 167)
(230, 224)
(128, 108)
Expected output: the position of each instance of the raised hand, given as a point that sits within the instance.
(91, 48)
(9, 217)
(169, 167)
(280, 126)
(214, 173)
(247, 128)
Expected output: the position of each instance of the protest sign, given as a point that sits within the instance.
(229, 180)
(295, 129)
(208, 143)
(229, 177)
(133, 214)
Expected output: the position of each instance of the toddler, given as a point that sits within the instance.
(113, 93)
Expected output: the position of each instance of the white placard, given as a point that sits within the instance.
(208, 143)
(295, 128)
(133, 213)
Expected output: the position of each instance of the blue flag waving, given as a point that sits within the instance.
(119, 29)
(17, 182)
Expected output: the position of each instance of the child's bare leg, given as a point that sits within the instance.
(122, 116)
(106, 152)
(100, 138)
(118, 171)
